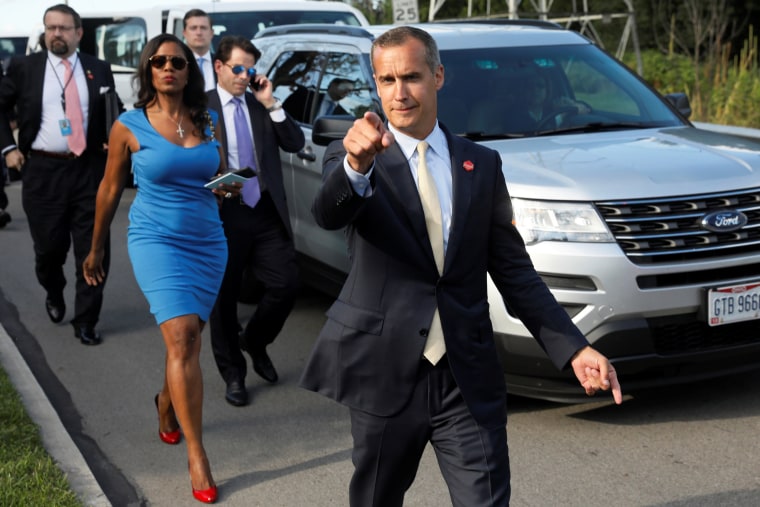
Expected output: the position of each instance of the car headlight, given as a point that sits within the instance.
(559, 221)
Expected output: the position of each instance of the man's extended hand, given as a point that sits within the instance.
(365, 139)
(595, 372)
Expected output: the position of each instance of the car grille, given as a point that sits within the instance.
(669, 229)
(686, 334)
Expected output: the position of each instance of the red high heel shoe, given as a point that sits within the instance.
(167, 437)
(206, 495)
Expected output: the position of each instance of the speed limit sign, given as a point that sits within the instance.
(405, 11)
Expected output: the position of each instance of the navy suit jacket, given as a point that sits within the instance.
(368, 354)
(268, 137)
(22, 87)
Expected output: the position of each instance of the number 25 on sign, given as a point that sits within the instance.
(405, 11)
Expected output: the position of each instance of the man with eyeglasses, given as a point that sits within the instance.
(60, 96)
(198, 36)
(257, 225)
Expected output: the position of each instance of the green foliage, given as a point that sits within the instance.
(28, 475)
(666, 73)
(722, 89)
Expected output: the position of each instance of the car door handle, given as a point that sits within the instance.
(307, 154)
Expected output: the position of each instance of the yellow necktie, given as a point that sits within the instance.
(435, 347)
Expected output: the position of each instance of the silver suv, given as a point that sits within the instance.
(646, 229)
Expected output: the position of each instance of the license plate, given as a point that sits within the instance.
(734, 303)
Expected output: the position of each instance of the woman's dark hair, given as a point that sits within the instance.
(193, 95)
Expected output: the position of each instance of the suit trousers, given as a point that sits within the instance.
(258, 240)
(474, 460)
(3, 195)
(58, 197)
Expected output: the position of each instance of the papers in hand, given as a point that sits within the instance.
(240, 176)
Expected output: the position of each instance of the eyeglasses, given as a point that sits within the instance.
(58, 28)
(237, 69)
(159, 61)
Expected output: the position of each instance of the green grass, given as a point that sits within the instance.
(28, 475)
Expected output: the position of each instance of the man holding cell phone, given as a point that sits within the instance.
(253, 127)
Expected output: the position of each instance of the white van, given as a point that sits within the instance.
(119, 37)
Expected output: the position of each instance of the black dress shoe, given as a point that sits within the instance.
(5, 218)
(263, 366)
(236, 393)
(55, 308)
(87, 335)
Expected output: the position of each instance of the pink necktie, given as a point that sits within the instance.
(76, 140)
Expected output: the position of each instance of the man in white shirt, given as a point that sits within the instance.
(58, 99)
(198, 35)
(252, 129)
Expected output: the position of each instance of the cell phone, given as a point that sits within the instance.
(255, 85)
(246, 172)
(239, 176)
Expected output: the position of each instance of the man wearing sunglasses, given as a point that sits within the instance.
(60, 100)
(253, 128)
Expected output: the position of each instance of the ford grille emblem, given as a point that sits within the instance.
(724, 221)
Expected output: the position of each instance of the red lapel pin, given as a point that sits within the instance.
(468, 165)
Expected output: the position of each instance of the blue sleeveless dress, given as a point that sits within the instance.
(175, 237)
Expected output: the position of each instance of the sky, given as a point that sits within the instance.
(21, 17)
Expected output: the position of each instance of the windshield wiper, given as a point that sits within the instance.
(482, 136)
(596, 127)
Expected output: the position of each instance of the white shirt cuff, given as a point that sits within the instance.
(359, 182)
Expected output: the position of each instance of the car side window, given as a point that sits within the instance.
(295, 78)
(345, 87)
(118, 41)
(311, 84)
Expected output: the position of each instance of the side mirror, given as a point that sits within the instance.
(681, 102)
(329, 128)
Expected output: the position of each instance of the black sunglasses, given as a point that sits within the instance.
(159, 61)
(237, 69)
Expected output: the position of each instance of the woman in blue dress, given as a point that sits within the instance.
(175, 238)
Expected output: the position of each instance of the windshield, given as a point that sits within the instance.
(530, 91)
(249, 23)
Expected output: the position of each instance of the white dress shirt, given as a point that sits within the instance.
(228, 112)
(438, 162)
(207, 69)
(49, 137)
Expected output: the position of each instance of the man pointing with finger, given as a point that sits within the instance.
(408, 346)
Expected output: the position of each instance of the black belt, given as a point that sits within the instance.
(62, 155)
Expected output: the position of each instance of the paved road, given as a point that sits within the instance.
(694, 446)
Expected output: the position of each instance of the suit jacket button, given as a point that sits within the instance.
(423, 332)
